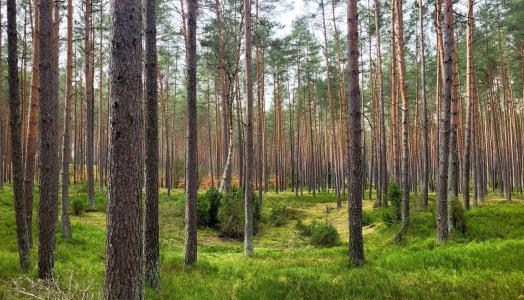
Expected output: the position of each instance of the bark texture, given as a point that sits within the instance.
(124, 249)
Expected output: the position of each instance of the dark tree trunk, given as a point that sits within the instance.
(49, 165)
(151, 246)
(89, 74)
(355, 165)
(124, 249)
(469, 95)
(16, 139)
(190, 245)
(425, 143)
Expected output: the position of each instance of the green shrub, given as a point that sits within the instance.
(213, 196)
(388, 215)
(458, 217)
(324, 235)
(304, 229)
(367, 219)
(281, 215)
(207, 207)
(395, 198)
(231, 214)
(78, 206)
(320, 234)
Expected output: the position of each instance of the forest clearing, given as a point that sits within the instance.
(261, 149)
(485, 263)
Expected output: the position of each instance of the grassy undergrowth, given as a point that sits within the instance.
(487, 262)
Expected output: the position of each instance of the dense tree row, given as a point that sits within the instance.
(431, 99)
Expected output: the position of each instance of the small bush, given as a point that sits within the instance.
(78, 206)
(395, 198)
(367, 219)
(320, 234)
(458, 218)
(388, 216)
(281, 215)
(207, 208)
(324, 235)
(231, 215)
(304, 229)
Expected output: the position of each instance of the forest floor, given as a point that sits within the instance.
(487, 262)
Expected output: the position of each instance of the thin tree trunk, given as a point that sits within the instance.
(89, 74)
(356, 247)
(470, 93)
(16, 139)
(66, 147)
(425, 143)
(190, 245)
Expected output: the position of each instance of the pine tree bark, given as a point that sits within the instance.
(151, 246)
(469, 95)
(16, 139)
(124, 249)
(190, 245)
(49, 165)
(31, 143)
(248, 195)
(444, 134)
(399, 33)
(66, 147)
(425, 123)
(89, 74)
(355, 165)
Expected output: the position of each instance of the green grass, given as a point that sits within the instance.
(487, 262)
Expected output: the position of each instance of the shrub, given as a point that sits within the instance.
(458, 218)
(395, 197)
(207, 208)
(281, 215)
(320, 234)
(231, 214)
(324, 235)
(367, 219)
(78, 206)
(388, 216)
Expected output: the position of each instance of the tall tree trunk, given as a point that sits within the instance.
(151, 246)
(383, 169)
(124, 249)
(422, 94)
(101, 117)
(470, 93)
(66, 147)
(444, 134)
(49, 165)
(31, 143)
(399, 33)
(89, 74)
(355, 166)
(16, 139)
(190, 245)
(248, 204)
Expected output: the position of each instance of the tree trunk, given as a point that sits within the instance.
(31, 143)
(101, 117)
(444, 134)
(124, 249)
(89, 74)
(16, 139)
(470, 93)
(422, 93)
(66, 153)
(49, 166)
(248, 204)
(355, 166)
(151, 246)
(190, 245)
